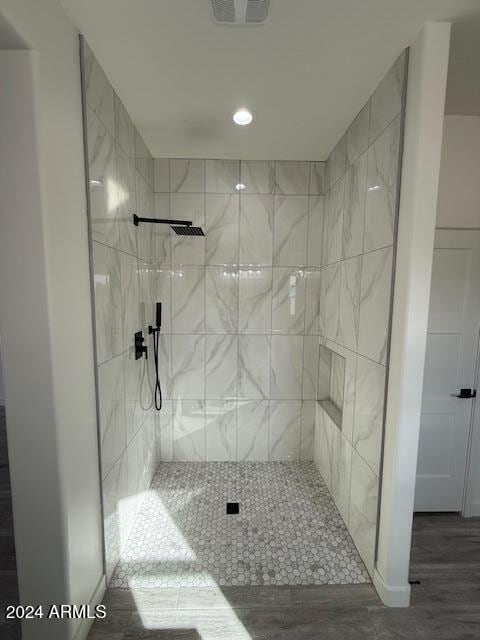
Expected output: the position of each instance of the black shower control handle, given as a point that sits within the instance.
(140, 348)
(466, 394)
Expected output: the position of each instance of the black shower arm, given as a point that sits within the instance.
(183, 223)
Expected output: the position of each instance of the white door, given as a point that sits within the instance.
(452, 344)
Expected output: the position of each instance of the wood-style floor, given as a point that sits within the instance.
(445, 605)
(8, 571)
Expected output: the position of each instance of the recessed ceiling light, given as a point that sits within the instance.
(243, 117)
(239, 186)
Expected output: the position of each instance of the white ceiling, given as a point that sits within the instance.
(305, 73)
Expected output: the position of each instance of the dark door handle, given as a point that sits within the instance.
(465, 394)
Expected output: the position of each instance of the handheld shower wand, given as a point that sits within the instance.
(156, 339)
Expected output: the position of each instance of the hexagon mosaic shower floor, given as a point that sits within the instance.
(287, 532)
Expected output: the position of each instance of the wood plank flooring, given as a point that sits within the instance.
(445, 605)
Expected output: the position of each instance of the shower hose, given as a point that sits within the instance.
(158, 389)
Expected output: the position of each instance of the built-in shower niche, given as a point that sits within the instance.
(331, 383)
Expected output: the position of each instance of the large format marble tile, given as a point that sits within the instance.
(333, 223)
(138, 388)
(357, 135)
(222, 228)
(330, 301)
(133, 312)
(307, 430)
(336, 164)
(369, 401)
(316, 212)
(111, 399)
(387, 99)
(256, 229)
(292, 177)
(362, 521)
(288, 300)
(143, 160)
(188, 299)
(221, 430)
(348, 317)
(98, 90)
(222, 176)
(221, 359)
(255, 300)
(318, 184)
(258, 176)
(349, 373)
(126, 202)
(161, 175)
(108, 301)
(382, 180)
(253, 366)
(312, 302)
(146, 249)
(188, 250)
(354, 209)
(221, 300)
(103, 181)
(375, 304)
(165, 432)
(162, 293)
(187, 176)
(188, 367)
(284, 430)
(252, 430)
(161, 232)
(290, 230)
(286, 367)
(124, 129)
(115, 489)
(189, 430)
(310, 367)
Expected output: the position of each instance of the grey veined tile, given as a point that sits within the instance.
(284, 430)
(221, 361)
(253, 366)
(99, 91)
(222, 228)
(369, 401)
(386, 102)
(187, 176)
(333, 223)
(252, 429)
(382, 183)
(188, 299)
(292, 177)
(188, 367)
(354, 209)
(258, 176)
(337, 161)
(222, 176)
(291, 228)
(189, 430)
(256, 230)
(222, 299)
(221, 430)
(255, 300)
(375, 304)
(286, 367)
(318, 184)
(348, 318)
(288, 300)
(357, 134)
(316, 212)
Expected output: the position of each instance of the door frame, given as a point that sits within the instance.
(468, 507)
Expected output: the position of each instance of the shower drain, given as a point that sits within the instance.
(233, 507)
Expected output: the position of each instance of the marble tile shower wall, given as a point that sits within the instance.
(356, 279)
(241, 317)
(120, 180)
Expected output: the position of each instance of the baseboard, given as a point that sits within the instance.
(391, 595)
(86, 624)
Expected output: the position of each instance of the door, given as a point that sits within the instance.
(452, 345)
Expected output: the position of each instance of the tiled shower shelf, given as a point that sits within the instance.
(331, 383)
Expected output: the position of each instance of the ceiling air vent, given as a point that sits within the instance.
(240, 12)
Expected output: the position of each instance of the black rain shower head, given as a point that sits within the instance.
(181, 227)
(188, 231)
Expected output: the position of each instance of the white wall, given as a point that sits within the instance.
(45, 317)
(416, 228)
(459, 189)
